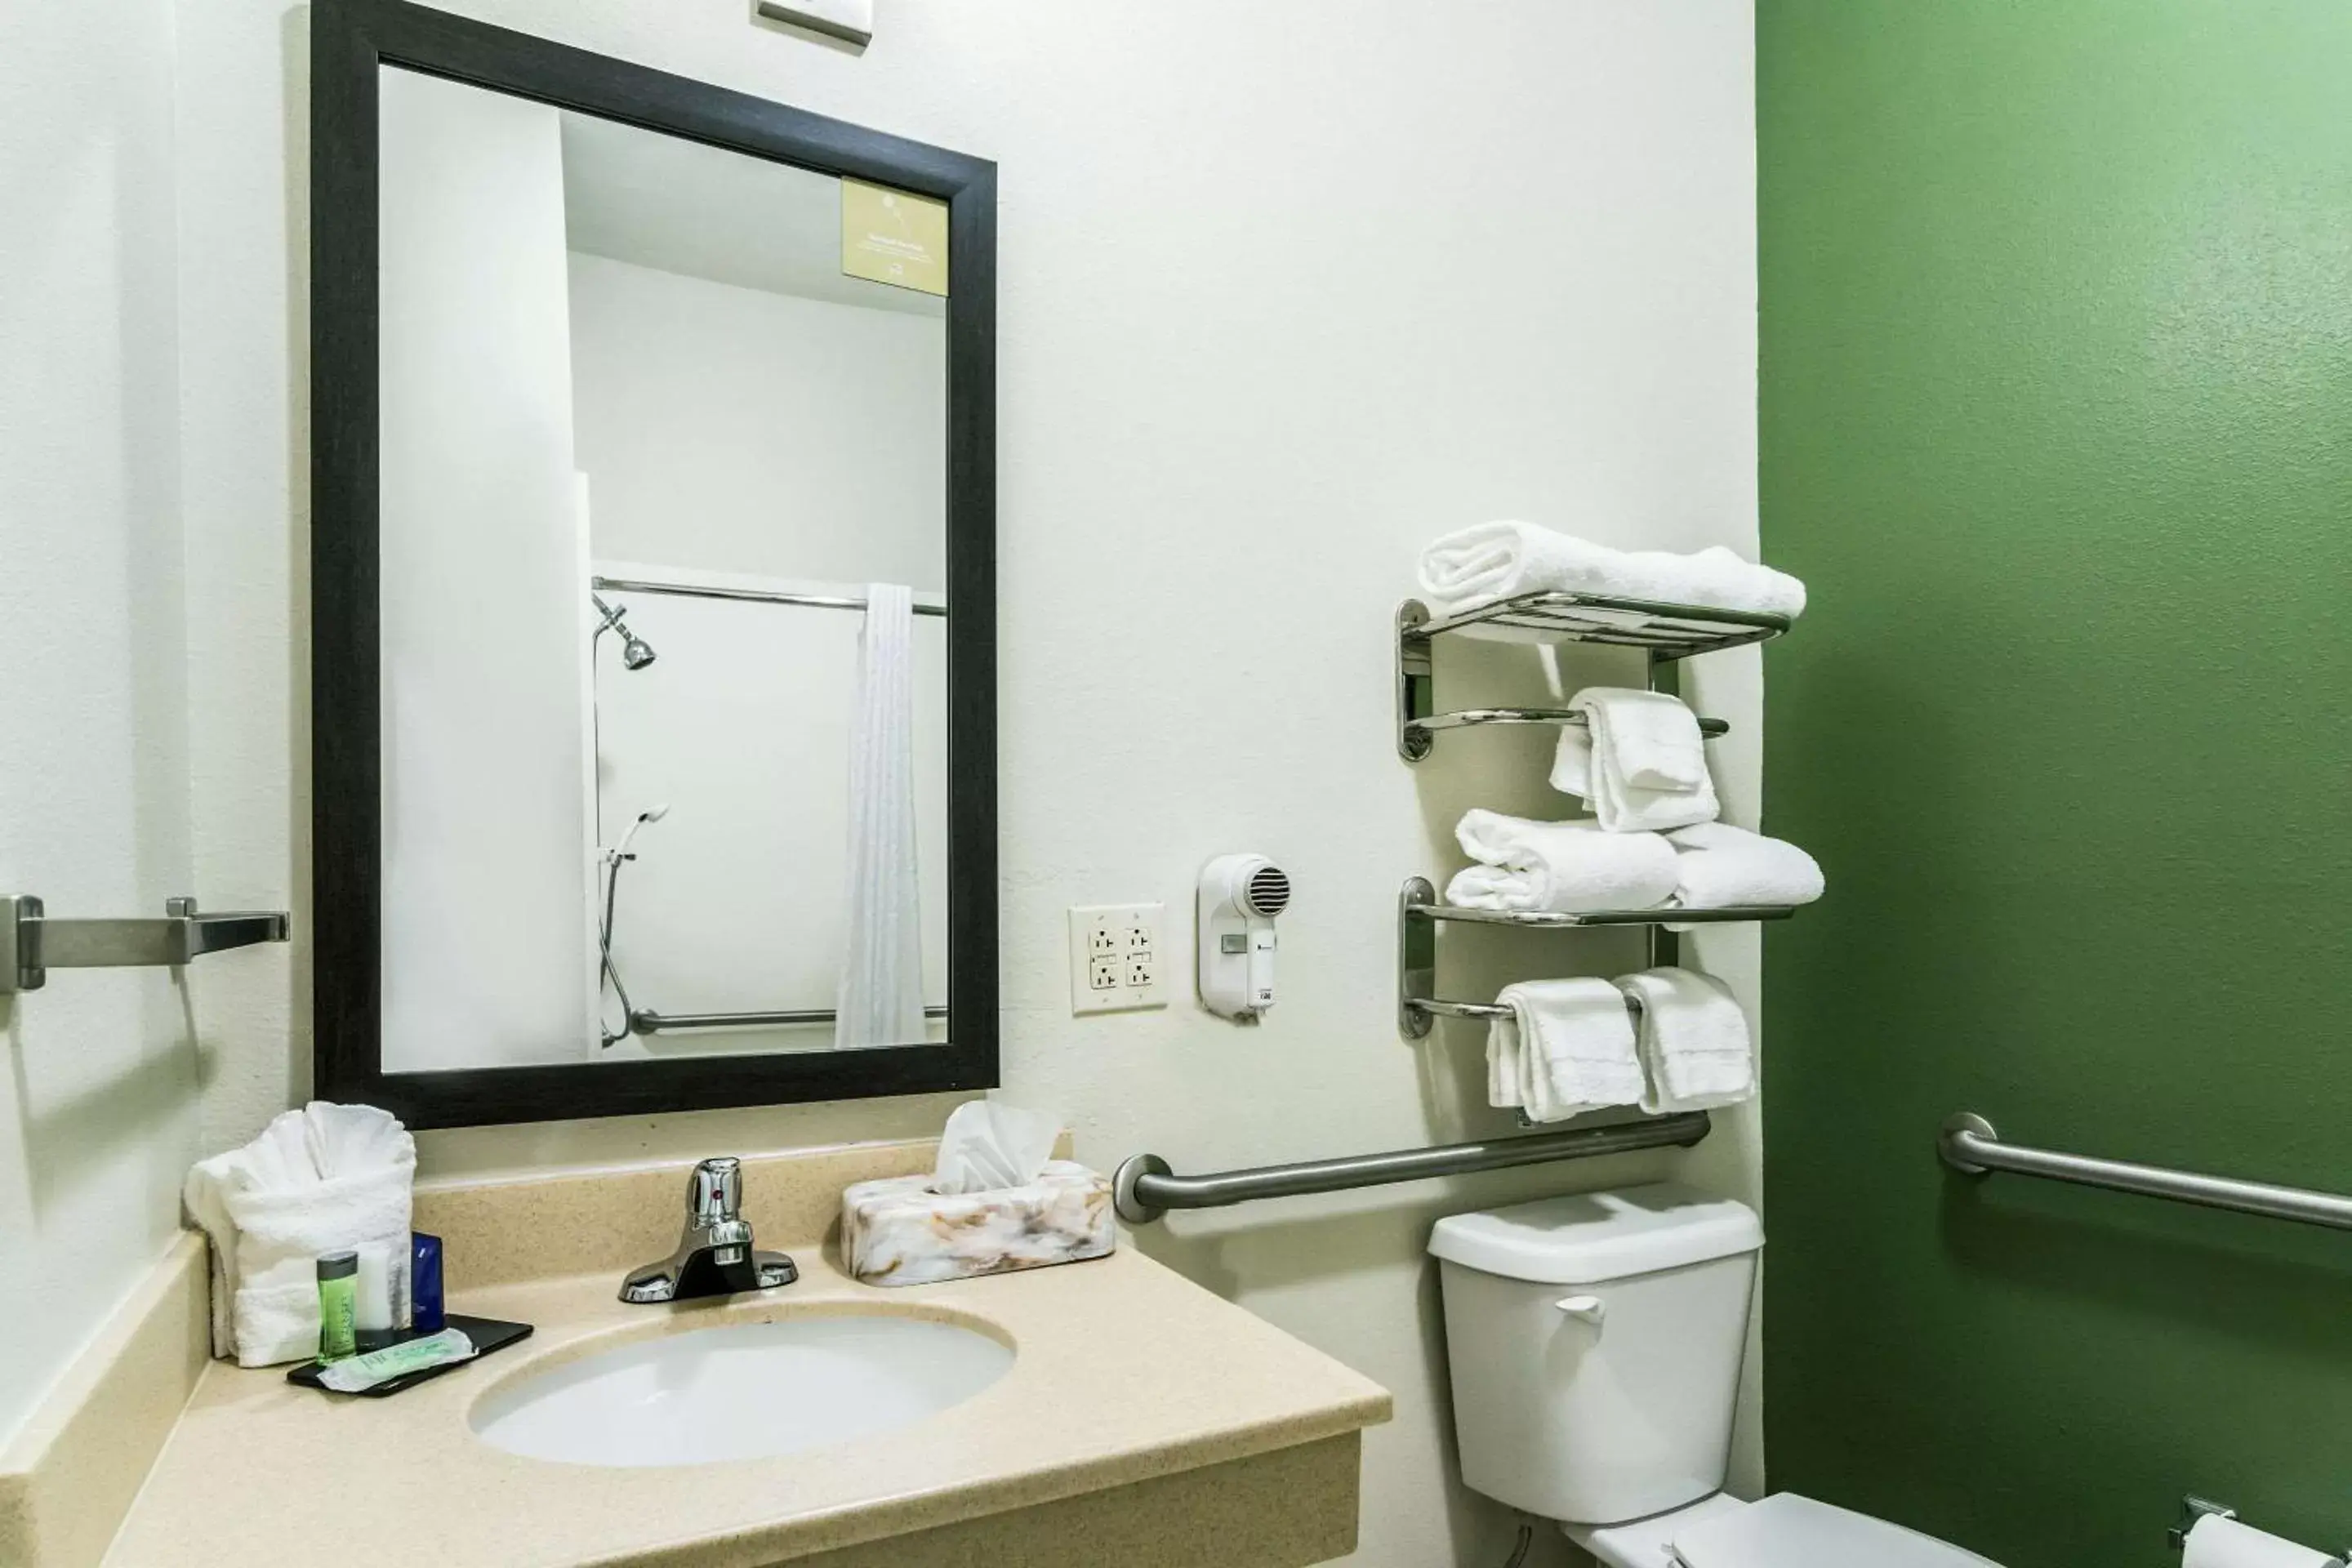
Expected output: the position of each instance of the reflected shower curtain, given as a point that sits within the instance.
(880, 1001)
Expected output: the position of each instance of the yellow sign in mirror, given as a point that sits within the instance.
(894, 237)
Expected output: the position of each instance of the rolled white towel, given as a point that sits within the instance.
(319, 1179)
(1566, 1047)
(1568, 867)
(1694, 1046)
(1638, 761)
(1721, 867)
(1497, 560)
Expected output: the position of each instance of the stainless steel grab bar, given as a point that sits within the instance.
(1145, 1188)
(1969, 1144)
(645, 1021)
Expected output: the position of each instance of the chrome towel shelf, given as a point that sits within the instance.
(1418, 908)
(1668, 633)
(32, 942)
(1145, 1188)
(1969, 1144)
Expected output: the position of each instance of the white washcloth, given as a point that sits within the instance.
(1638, 761)
(1722, 866)
(1497, 560)
(319, 1179)
(879, 994)
(1567, 1048)
(1696, 1050)
(1562, 867)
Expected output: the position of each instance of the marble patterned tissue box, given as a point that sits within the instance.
(897, 1231)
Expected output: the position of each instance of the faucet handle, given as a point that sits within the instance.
(714, 1192)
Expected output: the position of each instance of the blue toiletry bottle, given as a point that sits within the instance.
(427, 1312)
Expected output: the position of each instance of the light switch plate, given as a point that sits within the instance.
(849, 20)
(1119, 957)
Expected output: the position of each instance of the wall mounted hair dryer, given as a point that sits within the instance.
(1240, 896)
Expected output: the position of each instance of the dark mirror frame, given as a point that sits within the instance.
(349, 40)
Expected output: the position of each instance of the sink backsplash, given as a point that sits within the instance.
(499, 1230)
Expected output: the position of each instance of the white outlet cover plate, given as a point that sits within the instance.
(1131, 940)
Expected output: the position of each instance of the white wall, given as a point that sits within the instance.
(98, 1093)
(486, 835)
(735, 430)
(1285, 291)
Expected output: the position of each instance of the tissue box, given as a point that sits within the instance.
(897, 1231)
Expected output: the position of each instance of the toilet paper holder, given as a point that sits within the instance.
(2193, 1509)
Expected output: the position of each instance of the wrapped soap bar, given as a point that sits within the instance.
(897, 1231)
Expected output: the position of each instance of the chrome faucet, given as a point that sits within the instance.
(714, 1257)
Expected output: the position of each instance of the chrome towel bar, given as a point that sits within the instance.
(1969, 1144)
(1145, 1188)
(32, 942)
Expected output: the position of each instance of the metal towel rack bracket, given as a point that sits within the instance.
(1145, 1188)
(1667, 632)
(32, 942)
(1418, 912)
(1969, 1144)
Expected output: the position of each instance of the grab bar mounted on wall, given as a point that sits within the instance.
(645, 1021)
(1969, 1144)
(1145, 1188)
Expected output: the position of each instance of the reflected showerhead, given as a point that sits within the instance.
(635, 652)
(654, 814)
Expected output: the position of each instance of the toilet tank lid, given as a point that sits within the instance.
(1587, 1238)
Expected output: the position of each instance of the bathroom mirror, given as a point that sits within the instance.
(652, 580)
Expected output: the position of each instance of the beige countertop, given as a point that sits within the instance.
(1124, 1372)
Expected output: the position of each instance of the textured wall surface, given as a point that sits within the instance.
(2057, 421)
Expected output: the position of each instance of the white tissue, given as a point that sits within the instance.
(989, 1145)
(2217, 1542)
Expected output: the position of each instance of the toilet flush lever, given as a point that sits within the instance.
(1587, 1309)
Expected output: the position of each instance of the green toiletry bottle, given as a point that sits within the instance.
(338, 1286)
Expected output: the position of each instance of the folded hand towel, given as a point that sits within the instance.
(1563, 866)
(319, 1179)
(1638, 760)
(1695, 1047)
(1722, 866)
(1566, 1048)
(1496, 560)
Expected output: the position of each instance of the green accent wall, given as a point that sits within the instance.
(2056, 419)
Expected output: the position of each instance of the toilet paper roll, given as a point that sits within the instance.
(2215, 1543)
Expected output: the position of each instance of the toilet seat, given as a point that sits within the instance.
(1786, 1530)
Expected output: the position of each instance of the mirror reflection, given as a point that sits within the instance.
(663, 614)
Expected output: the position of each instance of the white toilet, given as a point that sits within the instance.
(1595, 1343)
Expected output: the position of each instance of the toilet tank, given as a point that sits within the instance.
(1594, 1342)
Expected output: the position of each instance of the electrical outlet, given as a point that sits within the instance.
(1115, 956)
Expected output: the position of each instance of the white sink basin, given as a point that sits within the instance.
(746, 1391)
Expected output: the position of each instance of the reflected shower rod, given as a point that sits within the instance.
(749, 595)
